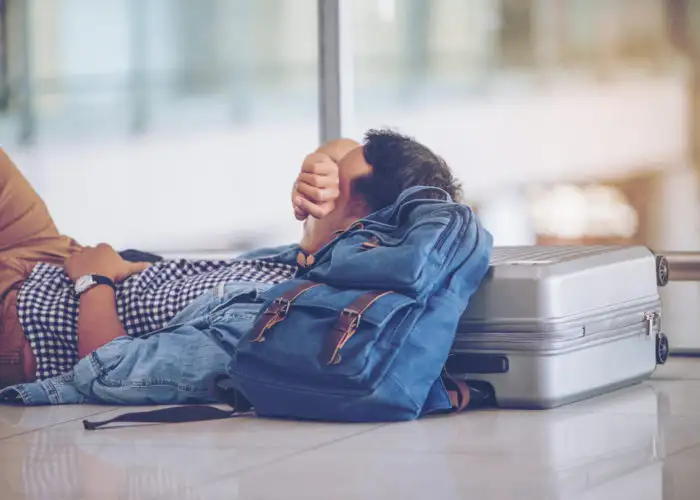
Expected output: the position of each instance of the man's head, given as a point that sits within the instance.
(372, 176)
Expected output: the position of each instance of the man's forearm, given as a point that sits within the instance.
(98, 322)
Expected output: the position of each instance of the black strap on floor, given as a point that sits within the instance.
(223, 391)
(174, 415)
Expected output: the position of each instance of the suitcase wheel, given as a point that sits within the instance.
(481, 394)
(661, 271)
(661, 348)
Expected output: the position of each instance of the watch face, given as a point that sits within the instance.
(83, 284)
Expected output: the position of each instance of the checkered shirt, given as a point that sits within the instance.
(48, 307)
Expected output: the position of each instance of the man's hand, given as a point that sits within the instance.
(102, 260)
(317, 187)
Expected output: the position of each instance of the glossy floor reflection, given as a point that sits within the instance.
(640, 443)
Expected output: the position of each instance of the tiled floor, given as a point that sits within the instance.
(640, 443)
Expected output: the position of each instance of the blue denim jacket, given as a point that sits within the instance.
(174, 365)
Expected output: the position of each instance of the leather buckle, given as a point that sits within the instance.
(351, 312)
(282, 308)
(345, 328)
(278, 310)
(352, 317)
(348, 323)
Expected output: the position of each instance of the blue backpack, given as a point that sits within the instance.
(363, 334)
(364, 330)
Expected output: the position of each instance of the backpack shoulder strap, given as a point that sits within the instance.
(458, 390)
(174, 415)
(468, 394)
(240, 406)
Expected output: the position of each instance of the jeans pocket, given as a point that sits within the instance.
(230, 323)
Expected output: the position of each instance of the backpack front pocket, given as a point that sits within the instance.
(345, 337)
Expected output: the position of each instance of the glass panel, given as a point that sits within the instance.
(124, 66)
(517, 32)
(415, 49)
(622, 32)
(231, 61)
(80, 64)
(188, 108)
(408, 50)
(498, 87)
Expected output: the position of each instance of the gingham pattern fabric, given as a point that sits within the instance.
(48, 307)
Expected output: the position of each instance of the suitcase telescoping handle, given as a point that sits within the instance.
(677, 266)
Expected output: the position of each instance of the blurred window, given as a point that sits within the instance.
(116, 67)
(405, 49)
(517, 32)
(221, 96)
(622, 32)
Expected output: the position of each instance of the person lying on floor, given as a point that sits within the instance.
(89, 326)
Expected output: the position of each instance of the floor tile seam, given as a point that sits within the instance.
(625, 414)
(55, 424)
(682, 449)
(252, 468)
(641, 466)
(626, 473)
(674, 379)
(295, 453)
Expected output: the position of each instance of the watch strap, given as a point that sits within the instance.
(97, 280)
(103, 280)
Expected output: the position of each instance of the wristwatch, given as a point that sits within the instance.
(89, 281)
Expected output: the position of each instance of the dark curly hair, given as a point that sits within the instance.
(398, 163)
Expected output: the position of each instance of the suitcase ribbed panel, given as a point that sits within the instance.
(553, 284)
(545, 255)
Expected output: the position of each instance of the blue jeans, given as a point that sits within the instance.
(175, 365)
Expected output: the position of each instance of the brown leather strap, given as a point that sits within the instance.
(347, 325)
(458, 390)
(371, 243)
(278, 310)
(351, 227)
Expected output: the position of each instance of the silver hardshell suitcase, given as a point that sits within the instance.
(554, 325)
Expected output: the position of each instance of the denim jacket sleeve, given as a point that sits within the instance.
(176, 365)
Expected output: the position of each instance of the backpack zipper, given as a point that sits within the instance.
(445, 232)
